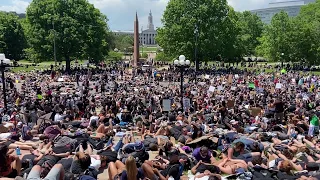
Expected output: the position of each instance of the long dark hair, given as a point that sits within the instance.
(3, 157)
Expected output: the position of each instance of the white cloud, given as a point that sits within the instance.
(18, 6)
(242, 5)
(121, 13)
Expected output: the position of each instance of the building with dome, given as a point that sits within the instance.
(147, 37)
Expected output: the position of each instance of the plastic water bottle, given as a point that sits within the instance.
(18, 152)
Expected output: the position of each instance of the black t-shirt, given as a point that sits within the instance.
(25, 161)
(50, 159)
(292, 108)
(178, 127)
(76, 167)
(212, 168)
(66, 163)
(28, 156)
(140, 157)
(111, 155)
(171, 170)
(303, 126)
(175, 133)
(148, 140)
(172, 117)
(279, 107)
(158, 115)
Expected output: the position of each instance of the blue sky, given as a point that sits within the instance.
(121, 12)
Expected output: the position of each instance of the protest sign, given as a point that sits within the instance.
(278, 86)
(166, 105)
(230, 103)
(212, 88)
(194, 92)
(186, 103)
(260, 90)
(283, 71)
(251, 85)
(39, 96)
(220, 88)
(60, 79)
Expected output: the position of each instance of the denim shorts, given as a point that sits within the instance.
(54, 174)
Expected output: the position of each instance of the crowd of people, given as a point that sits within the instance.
(117, 123)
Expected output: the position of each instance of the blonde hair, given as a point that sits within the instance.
(131, 168)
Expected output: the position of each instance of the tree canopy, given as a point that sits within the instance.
(251, 30)
(12, 38)
(293, 39)
(210, 25)
(77, 27)
(122, 42)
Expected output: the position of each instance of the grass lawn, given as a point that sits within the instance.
(268, 70)
(30, 68)
(42, 65)
(148, 49)
(45, 65)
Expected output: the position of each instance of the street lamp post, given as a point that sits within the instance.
(282, 56)
(182, 63)
(2, 67)
(196, 34)
(54, 45)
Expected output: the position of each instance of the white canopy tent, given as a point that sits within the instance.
(4, 59)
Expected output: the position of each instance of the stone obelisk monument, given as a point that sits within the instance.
(136, 52)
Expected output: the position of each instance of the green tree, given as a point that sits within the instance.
(144, 55)
(122, 42)
(307, 34)
(115, 55)
(161, 56)
(12, 38)
(251, 30)
(276, 42)
(215, 22)
(79, 30)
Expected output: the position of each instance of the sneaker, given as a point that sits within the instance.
(119, 156)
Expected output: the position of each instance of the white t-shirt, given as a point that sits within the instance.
(203, 178)
(58, 117)
(95, 163)
(95, 118)
(4, 136)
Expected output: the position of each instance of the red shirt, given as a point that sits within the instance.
(256, 83)
(6, 169)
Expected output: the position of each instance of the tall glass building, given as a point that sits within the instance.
(291, 7)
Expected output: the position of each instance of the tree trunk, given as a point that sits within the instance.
(68, 65)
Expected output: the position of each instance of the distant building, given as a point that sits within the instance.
(146, 37)
(291, 7)
(21, 15)
(126, 33)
